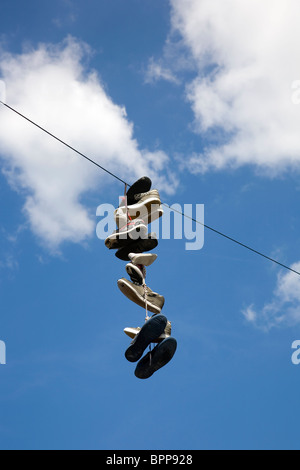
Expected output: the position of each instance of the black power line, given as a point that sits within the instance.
(62, 142)
(164, 204)
(233, 240)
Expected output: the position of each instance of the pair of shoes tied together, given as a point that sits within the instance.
(140, 206)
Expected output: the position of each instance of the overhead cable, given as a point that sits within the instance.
(166, 205)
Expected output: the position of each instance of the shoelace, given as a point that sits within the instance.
(132, 223)
(125, 200)
(147, 317)
(143, 270)
(146, 300)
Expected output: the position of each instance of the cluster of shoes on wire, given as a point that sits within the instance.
(139, 207)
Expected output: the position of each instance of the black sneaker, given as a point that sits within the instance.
(154, 360)
(133, 331)
(151, 330)
(142, 185)
(138, 246)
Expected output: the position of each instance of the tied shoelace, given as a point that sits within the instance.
(124, 199)
(143, 270)
(146, 298)
(131, 223)
(147, 317)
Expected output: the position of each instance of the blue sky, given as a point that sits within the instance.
(202, 97)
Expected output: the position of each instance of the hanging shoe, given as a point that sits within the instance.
(146, 206)
(146, 259)
(136, 294)
(138, 246)
(132, 231)
(137, 273)
(142, 185)
(156, 359)
(132, 332)
(147, 214)
(153, 328)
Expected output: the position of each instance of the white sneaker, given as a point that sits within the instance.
(145, 259)
(141, 295)
(147, 207)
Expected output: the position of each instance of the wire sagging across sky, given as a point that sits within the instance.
(164, 204)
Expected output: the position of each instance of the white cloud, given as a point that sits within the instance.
(8, 261)
(157, 71)
(51, 85)
(250, 314)
(284, 307)
(2, 91)
(243, 95)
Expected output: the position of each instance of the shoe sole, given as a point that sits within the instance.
(151, 330)
(142, 185)
(132, 332)
(156, 359)
(146, 259)
(137, 246)
(134, 296)
(122, 239)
